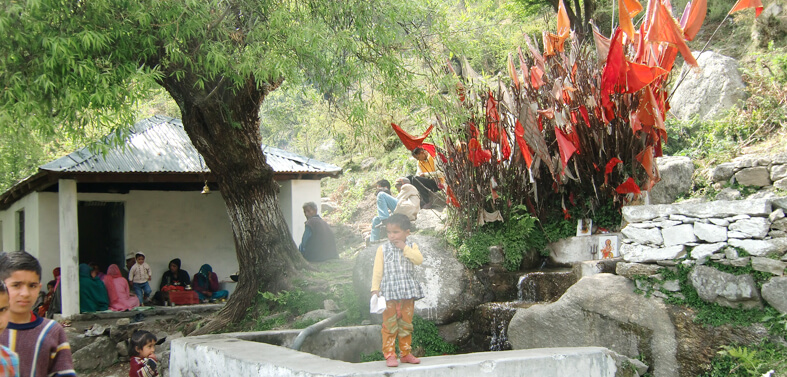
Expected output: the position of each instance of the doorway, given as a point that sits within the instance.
(102, 233)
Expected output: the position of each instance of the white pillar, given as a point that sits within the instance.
(69, 246)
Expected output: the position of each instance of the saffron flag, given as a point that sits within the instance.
(410, 141)
(665, 29)
(692, 18)
(745, 4)
(626, 10)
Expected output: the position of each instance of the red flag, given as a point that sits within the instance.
(519, 133)
(451, 197)
(608, 169)
(410, 141)
(639, 75)
(477, 154)
(492, 119)
(584, 111)
(628, 187)
(646, 159)
(512, 72)
(665, 29)
(535, 77)
(565, 146)
(745, 4)
(615, 71)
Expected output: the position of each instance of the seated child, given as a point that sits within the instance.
(206, 283)
(140, 275)
(9, 361)
(41, 343)
(50, 292)
(394, 278)
(141, 348)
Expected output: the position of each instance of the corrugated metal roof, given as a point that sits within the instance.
(160, 145)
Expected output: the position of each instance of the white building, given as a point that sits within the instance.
(144, 196)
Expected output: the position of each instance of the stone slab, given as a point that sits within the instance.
(644, 254)
(717, 209)
(761, 248)
(758, 176)
(678, 235)
(577, 249)
(756, 227)
(768, 265)
(643, 236)
(710, 233)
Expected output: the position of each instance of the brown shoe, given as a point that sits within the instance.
(410, 359)
(391, 361)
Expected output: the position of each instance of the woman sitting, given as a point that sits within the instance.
(206, 283)
(174, 279)
(92, 292)
(117, 288)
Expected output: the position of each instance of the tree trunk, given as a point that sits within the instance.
(224, 128)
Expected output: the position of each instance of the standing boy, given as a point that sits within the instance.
(394, 279)
(41, 343)
(139, 276)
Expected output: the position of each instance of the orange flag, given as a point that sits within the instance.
(745, 4)
(512, 72)
(639, 75)
(665, 29)
(523, 66)
(410, 141)
(692, 18)
(646, 159)
(535, 77)
(628, 9)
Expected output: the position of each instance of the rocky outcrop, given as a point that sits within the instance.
(675, 172)
(732, 291)
(451, 289)
(709, 91)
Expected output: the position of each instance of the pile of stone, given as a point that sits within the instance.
(752, 170)
(736, 233)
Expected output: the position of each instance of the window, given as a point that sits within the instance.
(20, 234)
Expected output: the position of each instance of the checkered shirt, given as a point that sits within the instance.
(398, 275)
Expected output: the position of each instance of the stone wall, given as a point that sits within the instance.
(753, 170)
(735, 233)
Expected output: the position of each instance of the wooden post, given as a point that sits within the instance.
(69, 246)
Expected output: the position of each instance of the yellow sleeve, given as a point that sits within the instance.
(377, 274)
(413, 254)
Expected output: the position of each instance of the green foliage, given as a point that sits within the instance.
(295, 302)
(350, 302)
(748, 361)
(517, 236)
(302, 324)
(775, 321)
(426, 337)
(374, 356)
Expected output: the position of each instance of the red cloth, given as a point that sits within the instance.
(665, 29)
(184, 297)
(745, 4)
(519, 134)
(628, 187)
(477, 154)
(584, 111)
(451, 197)
(410, 141)
(626, 10)
(565, 146)
(611, 165)
(535, 77)
(512, 73)
(523, 67)
(493, 130)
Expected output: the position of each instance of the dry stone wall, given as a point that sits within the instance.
(753, 170)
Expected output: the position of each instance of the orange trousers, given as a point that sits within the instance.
(398, 322)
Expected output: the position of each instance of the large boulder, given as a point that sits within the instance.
(725, 289)
(451, 290)
(773, 293)
(601, 310)
(98, 355)
(709, 91)
(675, 172)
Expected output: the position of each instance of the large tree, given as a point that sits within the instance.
(69, 66)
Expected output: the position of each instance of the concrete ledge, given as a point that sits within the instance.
(225, 355)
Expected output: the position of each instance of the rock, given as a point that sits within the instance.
(456, 333)
(631, 270)
(728, 193)
(593, 267)
(643, 254)
(738, 217)
(751, 160)
(97, 355)
(122, 348)
(430, 219)
(671, 285)
(781, 184)
(761, 248)
(706, 250)
(123, 321)
(777, 234)
(643, 236)
(123, 332)
(680, 218)
(722, 172)
(731, 253)
(725, 289)
(451, 290)
(675, 172)
(601, 310)
(710, 233)
(719, 222)
(707, 93)
(778, 172)
(756, 176)
(496, 255)
(738, 235)
(78, 341)
(327, 207)
(768, 265)
(330, 305)
(317, 315)
(717, 209)
(756, 227)
(780, 203)
(776, 215)
(678, 235)
(669, 223)
(773, 293)
(740, 262)
(780, 224)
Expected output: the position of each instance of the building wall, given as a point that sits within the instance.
(162, 224)
(292, 196)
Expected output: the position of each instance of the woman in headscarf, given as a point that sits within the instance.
(174, 279)
(117, 289)
(54, 303)
(92, 292)
(206, 283)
